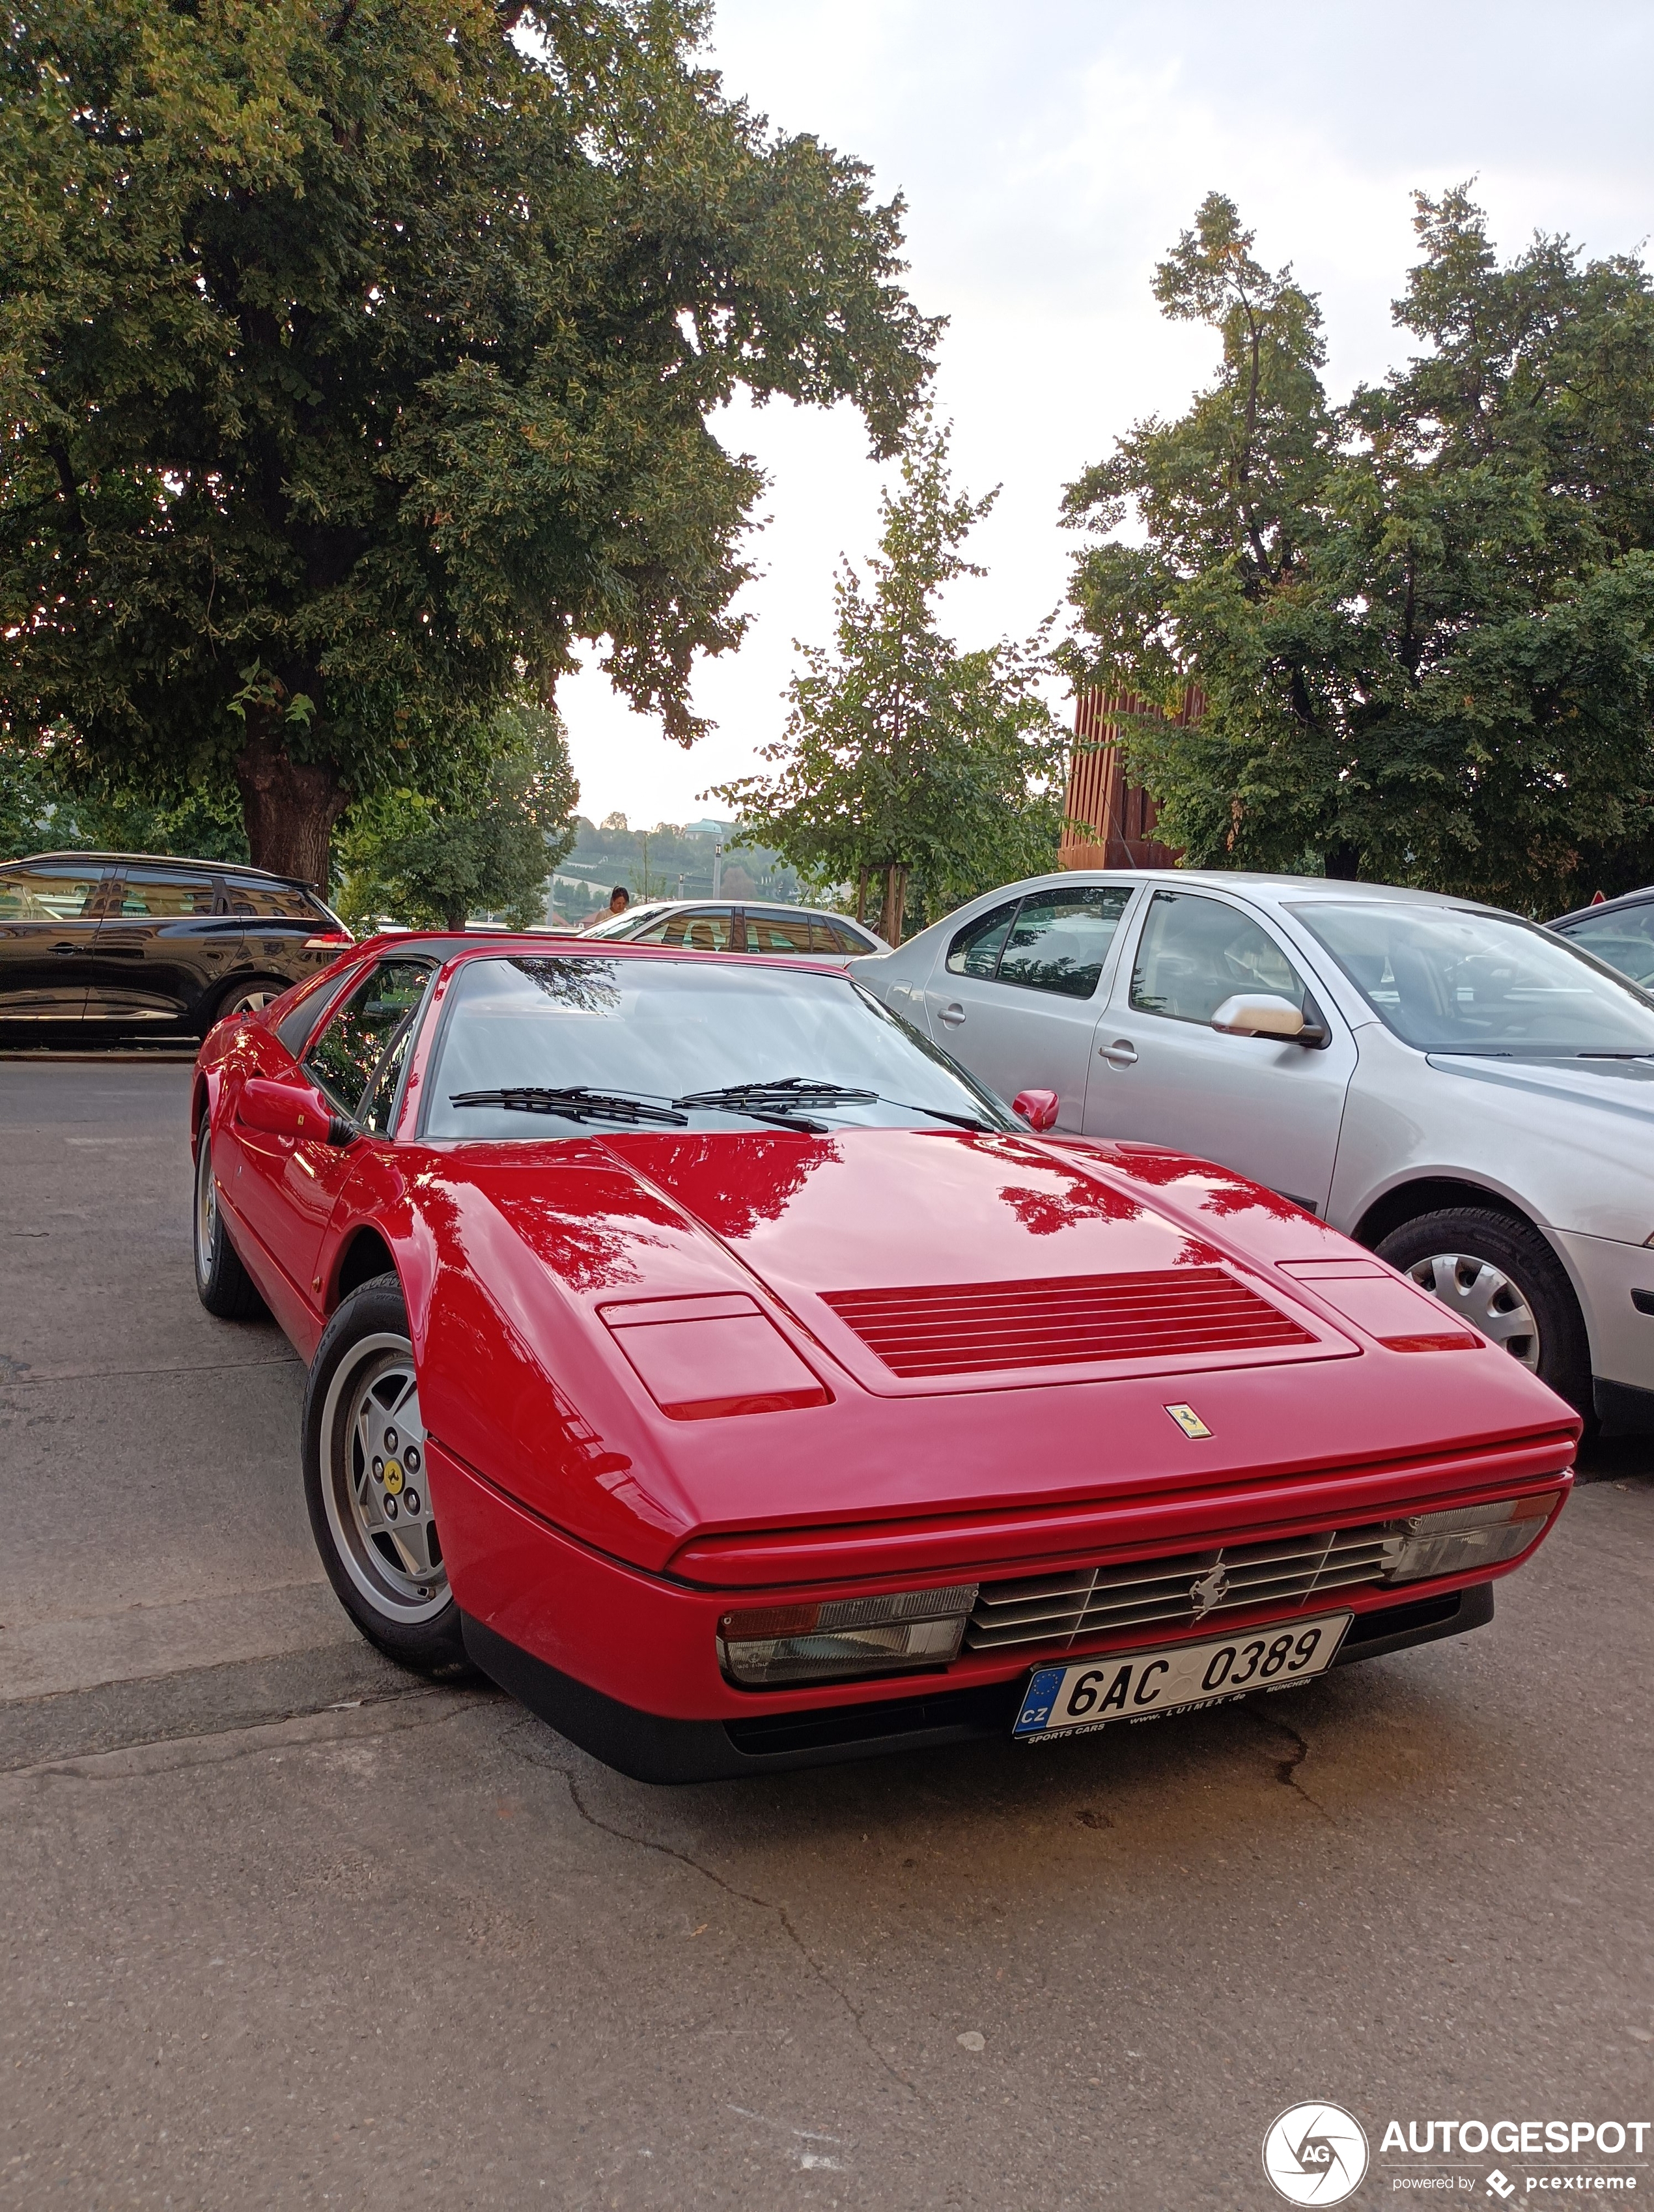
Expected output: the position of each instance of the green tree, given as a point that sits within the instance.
(40, 809)
(436, 865)
(1422, 622)
(904, 758)
(356, 355)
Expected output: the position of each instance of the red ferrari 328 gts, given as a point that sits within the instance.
(737, 1382)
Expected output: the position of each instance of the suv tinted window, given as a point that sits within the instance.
(1061, 939)
(163, 895)
(776, 933)
(1196, 952)
(56, 892)
(366, 1039)
(976, 950)
(277, 902)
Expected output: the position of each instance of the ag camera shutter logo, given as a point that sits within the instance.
(1315, 2154)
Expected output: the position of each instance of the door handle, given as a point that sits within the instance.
(953, 1014)
(65, 948)
(1121, 1054)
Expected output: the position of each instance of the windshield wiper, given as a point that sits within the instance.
(799, 1090)
(786, 1090)
(575, 1103)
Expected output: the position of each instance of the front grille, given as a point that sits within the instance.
(1174, 1592)
(973, 1328)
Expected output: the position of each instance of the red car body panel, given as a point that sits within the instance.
(588, 1526)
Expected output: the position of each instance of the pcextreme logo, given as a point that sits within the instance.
(1315, 2153)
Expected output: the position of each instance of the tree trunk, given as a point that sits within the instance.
(1343, 864)
(895, 895)
(861, 893)
(289, 806)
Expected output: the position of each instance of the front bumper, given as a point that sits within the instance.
(651, 1748)
(623, 1661)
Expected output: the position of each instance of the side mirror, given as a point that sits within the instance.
(1259, 1013)
(292, 1110)
(1037, 1108)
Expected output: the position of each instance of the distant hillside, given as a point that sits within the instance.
(671, 861)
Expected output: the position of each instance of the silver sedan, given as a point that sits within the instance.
(1454, 1086)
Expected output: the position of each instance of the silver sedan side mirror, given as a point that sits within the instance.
(1258, 1013)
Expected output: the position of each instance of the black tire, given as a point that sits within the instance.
(222, 1284)
(365, 1482)
(246, 994)
(1550, 1339)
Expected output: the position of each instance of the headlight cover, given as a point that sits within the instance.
(1464, 1537)
(844, 1637)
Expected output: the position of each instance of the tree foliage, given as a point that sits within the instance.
(408, 859)
(356, 357)
(934, 770)
(1423, 621)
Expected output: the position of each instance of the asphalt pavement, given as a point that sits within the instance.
(280, 1927)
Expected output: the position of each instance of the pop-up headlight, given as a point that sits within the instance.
(844, 1637)
(1464, 1537)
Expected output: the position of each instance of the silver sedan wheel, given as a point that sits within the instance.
(373, 1480)
(1484, 1296)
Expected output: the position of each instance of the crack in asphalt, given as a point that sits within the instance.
(1287, 1769)
(855, 2012)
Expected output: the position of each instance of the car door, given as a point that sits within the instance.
(164, 940)
(1268, 1108)
(48, 929)
(1015, 997)
(290, 1185)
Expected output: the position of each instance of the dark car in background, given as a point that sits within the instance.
(118, 943)
(1618, 931)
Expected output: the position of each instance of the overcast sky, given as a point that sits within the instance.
(1049, 154)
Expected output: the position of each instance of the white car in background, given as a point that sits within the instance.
(1458, 1088)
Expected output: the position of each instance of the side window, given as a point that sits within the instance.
(362, 1043)
(1196, 952)
(843, 938)
(1625, 940)
(976, 950)
(1061, 939)
(699, 933)
(774, 932)
(64, 893)
(156, 895)
(271, 901)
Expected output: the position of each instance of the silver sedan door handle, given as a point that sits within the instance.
(1121, 1054)
(953, 1014)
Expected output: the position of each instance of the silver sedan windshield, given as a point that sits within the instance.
(523, 1035)
(1447, 980)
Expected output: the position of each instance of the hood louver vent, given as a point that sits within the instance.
(1064, 1321)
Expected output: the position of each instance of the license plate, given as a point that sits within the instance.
(1141, 1686)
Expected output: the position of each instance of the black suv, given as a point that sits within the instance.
(128, 942)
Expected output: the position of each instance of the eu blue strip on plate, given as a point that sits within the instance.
(1037, 1705)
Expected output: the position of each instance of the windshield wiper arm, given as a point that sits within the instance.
(786, 1090)
(939, 1114)
(574, 1103)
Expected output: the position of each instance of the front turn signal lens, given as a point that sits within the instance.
(1464, 1537)
(844, 1637)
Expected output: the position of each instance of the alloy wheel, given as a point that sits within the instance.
(1485, 1297)
(373, 1482)
(251, 1002)
(206, 1207)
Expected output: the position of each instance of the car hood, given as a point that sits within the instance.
(543, 1259)
(1623, 1088)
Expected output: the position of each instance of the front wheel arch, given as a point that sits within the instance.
(1431, 1194)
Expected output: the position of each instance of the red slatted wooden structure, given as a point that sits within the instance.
(1108, 823)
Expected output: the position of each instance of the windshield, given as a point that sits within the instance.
(661, 1034)
(1446, 980)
